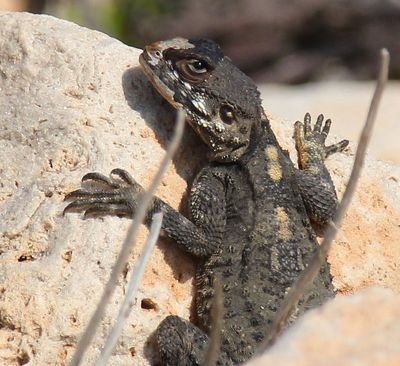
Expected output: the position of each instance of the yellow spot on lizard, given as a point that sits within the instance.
(274, 168)
(283, 223)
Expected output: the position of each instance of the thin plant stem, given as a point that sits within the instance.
(127, 244)
(308, 275)
(135, 278)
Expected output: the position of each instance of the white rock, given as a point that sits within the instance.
(360, 329)
(75, 101)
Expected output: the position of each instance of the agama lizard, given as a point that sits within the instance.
(250, 207)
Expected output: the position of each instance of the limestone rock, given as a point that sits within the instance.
(360, 329)
(74, 101)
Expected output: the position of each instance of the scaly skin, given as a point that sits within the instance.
(250, 207)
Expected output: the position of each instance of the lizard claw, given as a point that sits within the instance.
(332, 149)
(308, 139)
(124, 175)
(318, 124)
(107, 209)
(107, 195)
(99, 178)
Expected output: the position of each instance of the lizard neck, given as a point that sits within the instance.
(261, 136)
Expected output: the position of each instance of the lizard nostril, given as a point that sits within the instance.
(154, 49)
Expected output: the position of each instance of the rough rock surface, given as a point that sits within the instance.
(360, 329)
(74, 101)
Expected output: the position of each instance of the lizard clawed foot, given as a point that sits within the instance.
(117, 194)
(312, 141)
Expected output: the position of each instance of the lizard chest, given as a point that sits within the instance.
(264, 245)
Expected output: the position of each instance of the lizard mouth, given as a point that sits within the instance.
(228, 155)
(149, 64)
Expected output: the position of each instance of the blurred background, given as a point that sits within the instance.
(320, 52)
(292, 41)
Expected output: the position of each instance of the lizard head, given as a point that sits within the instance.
(221, 103)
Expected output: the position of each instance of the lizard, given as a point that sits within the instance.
(251, 209)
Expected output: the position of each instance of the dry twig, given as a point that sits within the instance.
(127, 245)
(135, 278)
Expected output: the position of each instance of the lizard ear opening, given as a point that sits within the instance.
(227, 114)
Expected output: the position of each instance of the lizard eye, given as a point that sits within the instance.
(227, 115)
(193, 70)
(197, 66)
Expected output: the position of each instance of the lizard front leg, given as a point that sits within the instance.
(313, 178)
(178, 341)
(119, 194)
